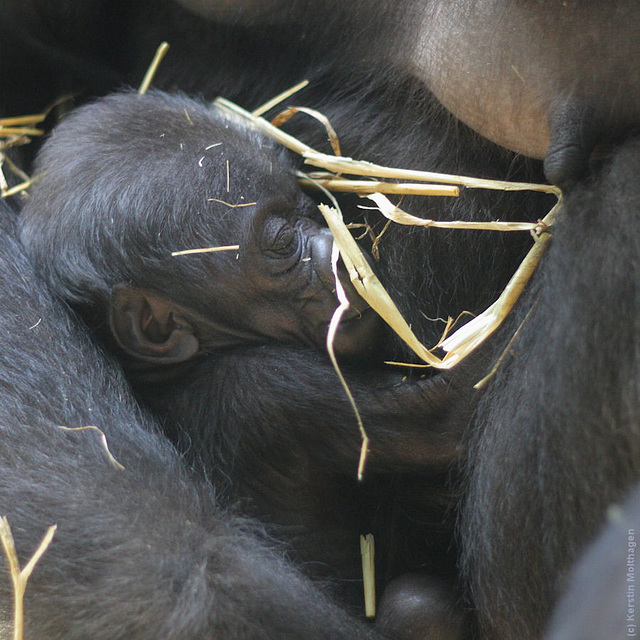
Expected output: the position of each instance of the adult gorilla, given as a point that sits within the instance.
(557, 437)
(564, 403)
(520, 73)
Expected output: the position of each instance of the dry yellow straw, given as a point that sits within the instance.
(279, 98)
(468, 337)
(161, 51)
(18, 121)
(465, 339)
(472, 334)
(331, 334)
(394, 213)
(367, 551)
(19, 577)
(339, 164)
(375, 186)
(287, 114)
(186, 252)
(23, 186)
(367, 284)
(103, 441)
(6, 132)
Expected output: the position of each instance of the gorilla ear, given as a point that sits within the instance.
(150, 327)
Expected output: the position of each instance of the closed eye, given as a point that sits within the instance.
(280, 240)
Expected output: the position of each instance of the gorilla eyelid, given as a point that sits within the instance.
(281, 241)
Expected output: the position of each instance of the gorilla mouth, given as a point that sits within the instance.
(361, 334)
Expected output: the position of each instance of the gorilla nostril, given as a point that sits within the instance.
(321, 248)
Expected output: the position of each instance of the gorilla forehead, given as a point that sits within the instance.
(180, 155)
(129, 179)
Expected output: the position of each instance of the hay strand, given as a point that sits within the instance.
(19, 578)
(261, 124)
(362, 168)
(161, 52)
(368, 286)
(19, 188)
(286, 115)
(331, 334)
(239, 205)
(340, 165)
(103, 442)
(13, 167)
(19, 121)
(395, 214)
(367, 551)
(8, 132)
(467, 338)
(481, 383)
(279, 98)
(343, 305)
(188, 252)
(461, 343)
(364, 187)
(476, 331)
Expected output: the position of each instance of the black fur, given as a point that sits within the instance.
(562, 408)
(265, 416)
(143, 552)
(557, 439)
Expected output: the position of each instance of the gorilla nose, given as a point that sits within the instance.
(322, 247)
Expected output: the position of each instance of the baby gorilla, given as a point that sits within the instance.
(226, 347)
(144, 176)
(141, 550)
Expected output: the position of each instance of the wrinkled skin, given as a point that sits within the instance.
(546, 79)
